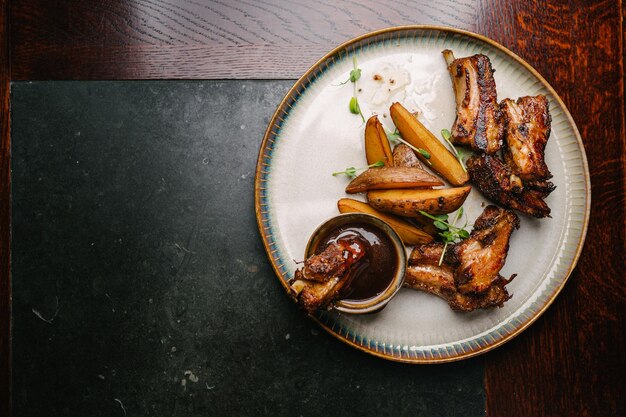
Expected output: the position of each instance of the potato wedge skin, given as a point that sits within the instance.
(377, 146)
(414, 132)
(403, 156)
(409, 234)
(384, 142)
(408, 203)
(386, 178)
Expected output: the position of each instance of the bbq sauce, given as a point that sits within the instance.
(371, 275)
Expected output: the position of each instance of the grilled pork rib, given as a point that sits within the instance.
(324, 275)
(481, 257)
(478, 121)
(528, 125)
(423, 279)
(542, 187)
(468, 278)
(497, 182)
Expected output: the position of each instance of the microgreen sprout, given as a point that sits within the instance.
(351, 172)
(445, 133)
(394, 137)
(355, 74)
(449, 232)
(424, 153)
(354, 106)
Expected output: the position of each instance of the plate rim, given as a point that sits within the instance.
(585, 167)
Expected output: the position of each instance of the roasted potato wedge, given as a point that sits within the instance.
(409, 234)
(377, 146)
(392, 177)
(403, 156)
(408, 203)
(425, 224)
(441, 159)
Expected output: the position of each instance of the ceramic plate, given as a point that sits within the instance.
(313, 134)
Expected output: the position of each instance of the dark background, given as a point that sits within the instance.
(134, 235)
(567, 363)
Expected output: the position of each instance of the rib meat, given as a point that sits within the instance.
(469, 278)
(481, 257)
(542, 187)
(325, 274)
(496, 181)
(423, 279)
(528, 125)
(479, 122)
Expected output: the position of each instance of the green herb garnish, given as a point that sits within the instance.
(449, 232)
(424, 153)
(445, 133)
(354, 106)
(355, 74)
(395, 137)
(351, 172)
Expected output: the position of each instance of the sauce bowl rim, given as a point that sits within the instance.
(378, 302)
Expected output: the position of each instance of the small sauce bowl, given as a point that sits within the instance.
(378, 231)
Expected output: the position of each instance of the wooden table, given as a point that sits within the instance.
(568, 362)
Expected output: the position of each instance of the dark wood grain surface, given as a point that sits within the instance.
(5, 214)
(98, 39)
(569, 361)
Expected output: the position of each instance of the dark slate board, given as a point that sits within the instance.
(139, 277)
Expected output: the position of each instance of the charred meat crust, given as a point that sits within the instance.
(324, 275)
(528, 125)
(437, 281)
(494, 179)
(544, 188)
(481, 257)
(426, 254)
(495, 296)
(490, 217)
(521, 128)
(325, 265)
(469, 278)
(479, 119)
